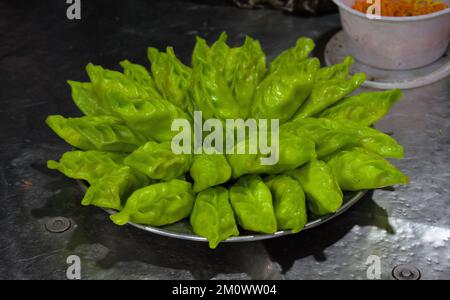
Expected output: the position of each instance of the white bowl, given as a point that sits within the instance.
(395, 43)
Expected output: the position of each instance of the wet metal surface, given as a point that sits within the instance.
(40, 49)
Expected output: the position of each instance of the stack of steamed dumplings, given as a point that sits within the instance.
(326, 142)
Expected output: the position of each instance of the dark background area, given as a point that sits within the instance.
(40, 49)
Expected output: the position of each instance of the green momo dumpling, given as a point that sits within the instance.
(138, 74)
(321, 187)
(213, 217)
(158, 204)
(330, 86)
(158, 161)
(171, 76)
(208, 170)
(84, 97)
(111, 190)
(375, 140)
(338, 71)
(152, 117)
(288, 202)
(211, 93)
(202, 51)
(87, 165)
(327, 136)
(282, 92)
(293, 56)
(107, 83)
(245, 163)
(358, 169)
(92, 98)
(243, 67)
(294, 150)
(249, 70)
(103, 133)
(332, 135)
(365, 109)
(252, 204)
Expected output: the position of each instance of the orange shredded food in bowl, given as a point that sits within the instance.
(402, 8)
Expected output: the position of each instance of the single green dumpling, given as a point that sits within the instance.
(211, 93)
(171, 77)
(138, 74)
(252, 204)
(157, 161)
(326, 93)
(111, 190)
(242, 67)
(102, 133)
(374, 140)
(326, 135)
(248, 71)
(293, 150)
(332, 135)
(288, 202)
(337, 71)
(365, 108)
(292, 56)
(87, 165)
(152, 117)
(208, 170)
(359, 169)
(108, 83)
(158, 204)
(84, 97)
(321, 187)
(213, 217)
(282, 92)
(245, 163)
(92, 98)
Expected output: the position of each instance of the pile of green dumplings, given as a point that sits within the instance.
(326, 142)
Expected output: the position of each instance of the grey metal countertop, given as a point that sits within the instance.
(40, 49)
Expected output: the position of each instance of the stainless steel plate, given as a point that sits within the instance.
(182, 229)
(336, 51)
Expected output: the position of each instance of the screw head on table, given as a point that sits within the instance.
(58, 224)
(406, 272)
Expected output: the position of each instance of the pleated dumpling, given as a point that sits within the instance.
(358, 169)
